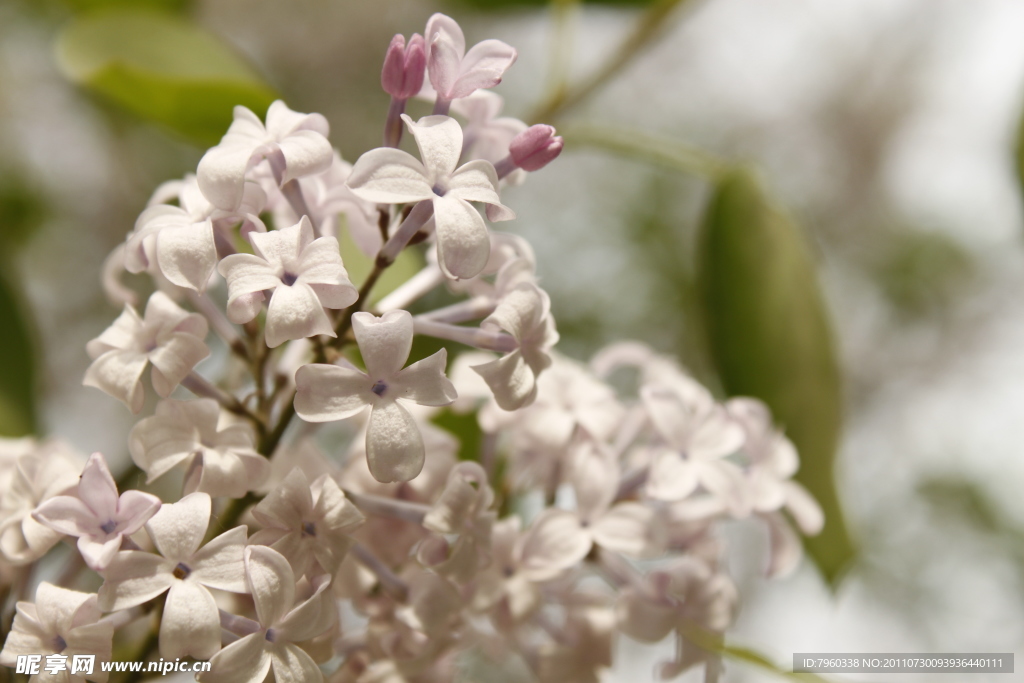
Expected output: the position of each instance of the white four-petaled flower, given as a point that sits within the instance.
(391, 176)
(167, 337)
(98, 516)
(305, 275)
(324, 393)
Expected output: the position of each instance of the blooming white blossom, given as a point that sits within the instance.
(391, 176)
(190, 625)
(525, 313)
(168, 338)
(60, 622)
(96, 514)
(455, 73)
(180, 240)
(294, 143)
(281, 625)
(394, 447)
(305, 274)
(39, 473)
(311, 525)
(219, 459)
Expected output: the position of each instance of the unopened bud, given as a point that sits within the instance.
(535, 147)
(404, 67)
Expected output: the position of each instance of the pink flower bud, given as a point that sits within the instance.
(404, 67)
(535, 147)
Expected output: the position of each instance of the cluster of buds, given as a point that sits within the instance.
(328, 527)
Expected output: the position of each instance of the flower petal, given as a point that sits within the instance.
(389, 176)
(177, 529)
(187, 255)
(221, 173)
(219, 563)
(174, 359)
(292, 665)
(463, 244)
(97, 488)
(134, 509)
(244, 661)
(271, 582)
(672, 477)
(119, 373)
(424, 382)
(132, 578)
(554, 542)
(295, 312)
(439, 139)
(190, 625)
(394, 446)
(324, 393)
(482, 67)
(627, 528)
(511, 380)
(384, 341)
(67, 515)
(247, 277)
(306, 152)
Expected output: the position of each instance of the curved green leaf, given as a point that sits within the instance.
(17, 370)
(770, 337)
(162, 69)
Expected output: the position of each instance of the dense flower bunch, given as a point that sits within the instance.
(327, 526)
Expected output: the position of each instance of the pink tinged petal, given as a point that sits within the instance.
(804, 509)
(287, 506)
(187, 255)
(219, 563)
(324, 393)
(295, 313)
(120, 335)
(247, 276)
(394, 446)
(243, 661)
(627, 528)
(725, 480)
(717, 436)
(67, 515)
(97, 488)
(271, 582)
(219, 474)
(135, 508)
(389, 176)
(98, 554)
(160, 442)
(174, 359)
(292, 665)
(221, 173)
(320, 267)
(424, 382)
(442, 23)
(281, 248)
(384, 341)
(283, 121)
(595, 479)
(483, 67)
(163, 314)
(535, 147)
(554, 542)
(177, 529)
(132, 578)
(439, 139)
(463, 243)
(310, 618)
(190, 625)
(511, 380)
(119, 373)
(444, 59)
(306, 152)
(672, 477)
(784, 544)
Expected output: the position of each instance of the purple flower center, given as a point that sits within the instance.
(309, 529)
(289, 278)
(438, 190)
(271, 635)
(59, 644)
(379, 387)
(181, 571)
(108, 526)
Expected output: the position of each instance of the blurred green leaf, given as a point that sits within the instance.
(769, 336)
(85, 6)
(359, 265)
(162, 69)
(23, 209)
(466, 429)
(922, 272)
(17, 371)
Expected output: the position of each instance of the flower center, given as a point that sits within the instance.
(181, 571)
(108, 526)
(309, 529)
(379, 387)
(59, 644)
(271, 635)
(289, 278)
(438, 190)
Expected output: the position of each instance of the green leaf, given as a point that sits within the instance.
(17, 371)
(769, 336)
(162, 69)
(85, 6)
(359, 265)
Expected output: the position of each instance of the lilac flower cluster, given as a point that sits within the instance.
(584, 512)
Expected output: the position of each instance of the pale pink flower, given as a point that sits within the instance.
(295, 144)
(311, 525)
(190, 625)
(282, 624)
(305, 274)
(219, 459)
(455, 73)
(324, 393)
(60, 622)
(167, 337)
(391, 176)
(96, 514)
